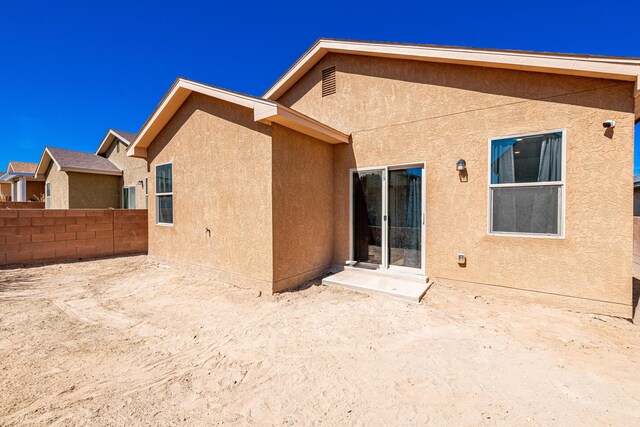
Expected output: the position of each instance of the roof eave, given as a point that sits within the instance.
(265, 111)
(299, 122)
(43, 164)
(108, 140)
(548, 63)
(92, 171)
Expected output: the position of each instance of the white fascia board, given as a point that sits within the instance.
(42, 166)
(613, 68)
(299, 122)
(92, 171)
(108, 140)
(175, 98)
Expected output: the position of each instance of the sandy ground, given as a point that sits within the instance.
(128, 341)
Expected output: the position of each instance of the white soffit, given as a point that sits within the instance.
(626, 69)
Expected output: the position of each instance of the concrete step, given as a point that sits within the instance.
(407, 287)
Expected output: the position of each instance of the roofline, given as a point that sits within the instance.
(108, 140)
(616, 68)
(265, 111)
(10, 166)
(46, 151)
(10, 175)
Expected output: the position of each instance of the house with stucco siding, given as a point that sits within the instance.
(106, 179)
(134, 180)
(19, 183)
(390, 166)
(78, 180)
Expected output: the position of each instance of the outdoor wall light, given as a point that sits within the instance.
(461, 165)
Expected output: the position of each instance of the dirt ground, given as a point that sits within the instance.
(129, 341)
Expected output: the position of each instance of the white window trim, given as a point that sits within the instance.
(47, 198)
(384, 266)
(562, 184)
(158, 223)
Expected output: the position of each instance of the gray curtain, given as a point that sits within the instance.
(527, 209)
(503, 166)
(550, 168)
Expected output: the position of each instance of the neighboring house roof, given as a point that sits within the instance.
(112, 134)
(75, 161)
(616, 68)
(636, 181)
(22, 167)
(265, 111)
(10, 176)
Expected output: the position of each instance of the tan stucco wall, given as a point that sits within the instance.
(92, 191)
(5, 189)
(59, 189)
(408, 111)
(221, 182)
(133, 170)
(302, 208)
(35, 189)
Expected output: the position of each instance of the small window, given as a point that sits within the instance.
(47, 198)
(146, 193)
(527, 185)
(129, 197)
(164, 194)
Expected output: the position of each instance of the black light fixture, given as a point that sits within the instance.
(461, 165)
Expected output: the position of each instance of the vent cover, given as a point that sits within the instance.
(329, 81)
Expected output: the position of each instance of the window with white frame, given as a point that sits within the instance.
(146, 193)
(47, 197)
(164, 194)
(129, 197)
(526, 184)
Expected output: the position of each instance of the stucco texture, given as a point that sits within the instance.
(93, 191)
(133, 170)
(222, 194)
(302, 208)
(73, 190)
(59, 181)
(408, 111)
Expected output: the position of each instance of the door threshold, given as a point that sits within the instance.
(416, 277)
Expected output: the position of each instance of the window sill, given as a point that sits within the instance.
(160, 224)
(526, 235)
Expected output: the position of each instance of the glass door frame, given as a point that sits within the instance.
(384, 266)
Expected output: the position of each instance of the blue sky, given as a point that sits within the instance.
(71, 70)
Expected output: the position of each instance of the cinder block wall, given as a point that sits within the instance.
(21, 205)
(30, 236)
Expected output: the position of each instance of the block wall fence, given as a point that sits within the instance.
(21, 205)
(32, 236)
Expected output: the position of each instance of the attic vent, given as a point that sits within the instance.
(329, 81)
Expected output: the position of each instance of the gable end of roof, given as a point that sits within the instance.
(615, 68)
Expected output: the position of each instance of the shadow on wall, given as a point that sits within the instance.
(516, 84)
(636, 296)
(198, 102)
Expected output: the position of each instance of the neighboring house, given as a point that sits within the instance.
(23, 185)
(133, 184)
(77, 180)
(470, 166)
(5, 190)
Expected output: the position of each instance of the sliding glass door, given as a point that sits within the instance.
(388, 217)
(368, 216)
